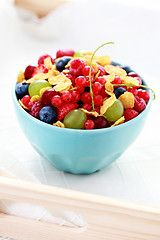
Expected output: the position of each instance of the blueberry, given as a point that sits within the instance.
(118, 91)
(48, 114)
(60, 65)
(21, 89)
(127, 68)
(115, 63)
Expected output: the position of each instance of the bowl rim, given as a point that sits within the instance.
(81, 131)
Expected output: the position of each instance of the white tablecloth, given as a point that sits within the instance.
(135, 175)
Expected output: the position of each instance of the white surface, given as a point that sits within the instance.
(135, 175)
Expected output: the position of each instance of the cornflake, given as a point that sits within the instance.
(107, 103)
(38, 76)
(104, 60)
(95, 114)
(35, 98)
(48, 63)
(20, 77)
(116, 70)
(109, 88)
(62, 83)
(127, 99)
(119, 121)
(130, 81)
(59, 124)
(109, 78)
(97, 75)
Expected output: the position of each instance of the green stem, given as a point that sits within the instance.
(91, 92)
(133, 85)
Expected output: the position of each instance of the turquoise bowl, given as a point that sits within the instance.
(79, 151)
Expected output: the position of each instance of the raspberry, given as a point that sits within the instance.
(130, 114)
(29, 71)
(143, 94)
(76, 66)
(35, 108)
(41, 59)
(139, 104)
(64, 52)
(39, 69)
(65, 108)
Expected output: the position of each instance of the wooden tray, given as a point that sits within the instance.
(107, 218)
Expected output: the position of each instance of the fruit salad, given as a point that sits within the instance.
(81, 90)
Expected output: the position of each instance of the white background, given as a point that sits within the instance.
(135, 29)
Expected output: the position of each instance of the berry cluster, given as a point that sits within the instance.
(74, 92)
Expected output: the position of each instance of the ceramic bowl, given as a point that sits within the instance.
(79, 151)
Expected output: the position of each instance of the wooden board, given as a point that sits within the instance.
(40, 7)
(107, 218)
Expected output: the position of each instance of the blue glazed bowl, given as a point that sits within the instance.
(79, 151)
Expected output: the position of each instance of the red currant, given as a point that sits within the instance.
(26, 100)
(80, 90)
(103, 93)
(47, 96)
(89, 124)
(102, 70)
(86, 70)
(88, 82)
(57, 101)
(86, 97)
(97, 109)
(101, 80)
(96, 87)
(98, 100)
(75, 96)
(143, 94)
(80, 81)
(87, 107)
(66, 96)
